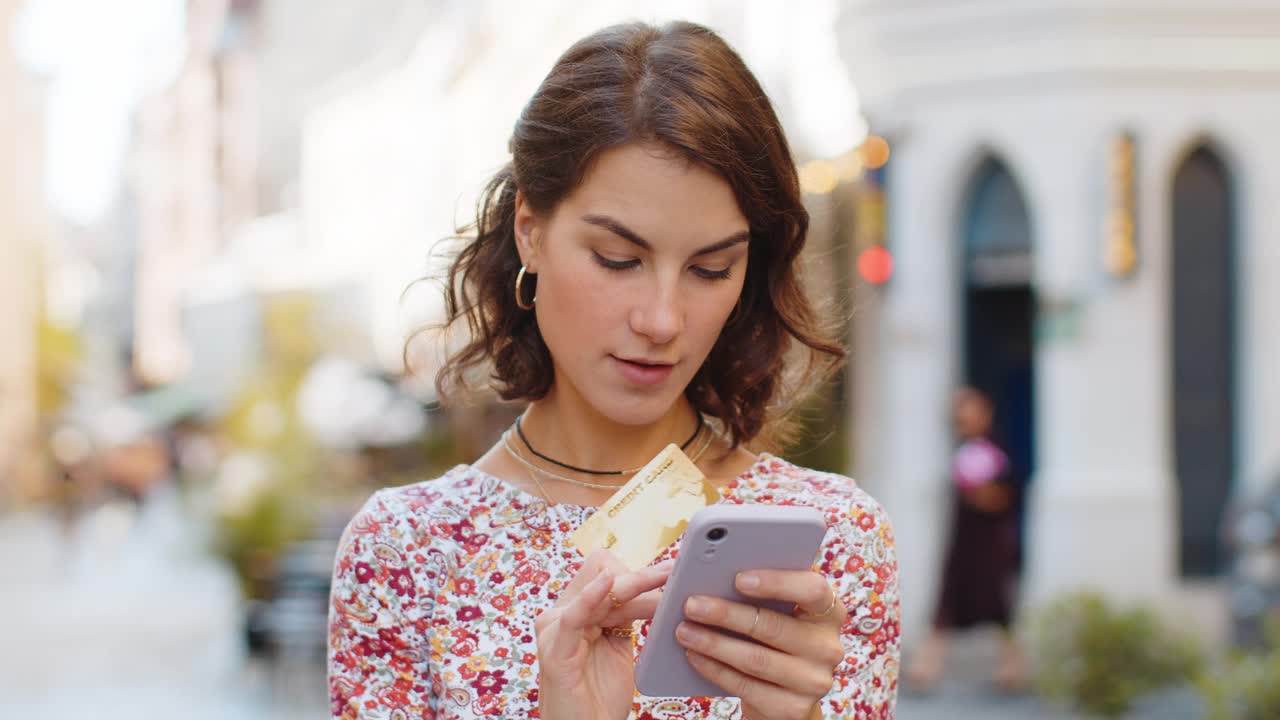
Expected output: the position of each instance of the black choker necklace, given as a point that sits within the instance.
(566, 466)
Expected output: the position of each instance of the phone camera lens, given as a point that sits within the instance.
(716, 534)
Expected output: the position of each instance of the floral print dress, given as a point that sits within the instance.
(436, 586)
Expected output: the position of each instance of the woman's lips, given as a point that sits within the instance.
(640, 373)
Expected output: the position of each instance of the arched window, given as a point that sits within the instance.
(999, 307)
(1203, 354)
(997, 230)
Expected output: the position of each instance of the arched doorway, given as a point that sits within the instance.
(999, 310)
(1203, 355)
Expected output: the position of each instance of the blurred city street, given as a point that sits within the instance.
(967, 692)
(131, 618)
(223, 225)
(140, 624)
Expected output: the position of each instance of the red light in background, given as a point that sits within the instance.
(875, 265)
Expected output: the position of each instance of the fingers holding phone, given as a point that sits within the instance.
(780, 665)
(751, 643)
(816, 610)
(814, 599)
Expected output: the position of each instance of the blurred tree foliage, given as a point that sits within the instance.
(263, 421)
(263, 414)
(58, 355)
(823, 442)
(1248, 688)
(59, 352)
(1102, 659)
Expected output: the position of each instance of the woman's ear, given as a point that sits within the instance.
(527, 232)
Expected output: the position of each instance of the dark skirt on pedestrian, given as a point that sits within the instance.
(980, 573)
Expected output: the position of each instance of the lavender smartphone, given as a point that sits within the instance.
(720, 542)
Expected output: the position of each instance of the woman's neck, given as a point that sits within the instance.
(573, 433)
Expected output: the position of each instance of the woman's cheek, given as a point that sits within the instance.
(585, 303)
(597, 298)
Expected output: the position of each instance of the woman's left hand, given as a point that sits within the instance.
(794, 668)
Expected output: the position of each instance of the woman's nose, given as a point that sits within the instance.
(660, 317)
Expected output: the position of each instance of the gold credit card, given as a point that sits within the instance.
(649, 512)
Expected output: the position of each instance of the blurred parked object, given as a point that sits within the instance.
(1253, 529)
(293, 623)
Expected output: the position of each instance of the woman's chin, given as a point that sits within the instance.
(636, 412)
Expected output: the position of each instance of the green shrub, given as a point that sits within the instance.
(1101, 659)
(252, 538)
(1249, 687)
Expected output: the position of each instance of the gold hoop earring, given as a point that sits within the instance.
(519, 297)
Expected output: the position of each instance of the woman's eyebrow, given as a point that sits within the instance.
(629, 235)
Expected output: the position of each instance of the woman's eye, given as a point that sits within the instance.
(615, 264)
(707, 274)
(621, 265)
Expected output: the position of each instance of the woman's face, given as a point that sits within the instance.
(638, 270)
(971, 412)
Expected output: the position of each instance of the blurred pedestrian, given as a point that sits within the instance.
(980, 570)
(633, 280)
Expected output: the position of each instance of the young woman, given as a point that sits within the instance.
(632, 279)
(979, 573)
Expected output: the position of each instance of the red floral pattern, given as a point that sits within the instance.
(436, 586)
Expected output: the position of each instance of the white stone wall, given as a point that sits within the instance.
(1045, 86)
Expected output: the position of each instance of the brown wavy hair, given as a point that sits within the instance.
(683, 87)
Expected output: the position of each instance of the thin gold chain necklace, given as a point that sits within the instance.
(506, 443)
(697, 430)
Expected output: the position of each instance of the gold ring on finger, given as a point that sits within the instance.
(613, 600)
(619, 631)
(830, 607)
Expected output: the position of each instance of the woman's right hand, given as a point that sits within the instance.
(583, 672)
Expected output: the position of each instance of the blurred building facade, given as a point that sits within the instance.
(193, 172)
(216, 176)
(304, 50)
(21, 230)
(293, 54)
(1080, 212)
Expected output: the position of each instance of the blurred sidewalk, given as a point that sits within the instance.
(131, 617)
(967, 692)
